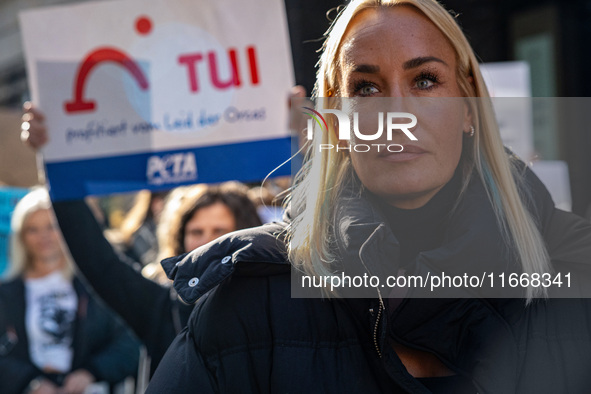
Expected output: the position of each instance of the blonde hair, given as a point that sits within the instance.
(323, 177)
(36, 200)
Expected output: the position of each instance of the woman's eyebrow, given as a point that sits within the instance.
(418, 61)
(366, 68)
(409, 64)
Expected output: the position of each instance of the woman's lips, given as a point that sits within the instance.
(409, 152)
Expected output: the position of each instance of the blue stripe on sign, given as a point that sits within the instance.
(246, 162)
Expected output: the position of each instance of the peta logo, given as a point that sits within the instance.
(177, 167)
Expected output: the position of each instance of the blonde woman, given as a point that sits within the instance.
(452, 200)
(55, 337)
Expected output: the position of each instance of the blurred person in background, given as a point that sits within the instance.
(192, 216)
(56, 337)
(202, 214)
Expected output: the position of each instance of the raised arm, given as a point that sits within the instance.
(144, 305)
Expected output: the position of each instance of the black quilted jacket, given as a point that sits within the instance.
(248, 335)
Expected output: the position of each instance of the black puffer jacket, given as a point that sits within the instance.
(248, 335)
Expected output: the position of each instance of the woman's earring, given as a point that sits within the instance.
(472, 131)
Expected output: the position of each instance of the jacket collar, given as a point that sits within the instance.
(256, 251)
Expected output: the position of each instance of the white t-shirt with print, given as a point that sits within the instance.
(51, 310)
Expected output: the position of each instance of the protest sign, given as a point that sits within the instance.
(161, 93)
(509, 85)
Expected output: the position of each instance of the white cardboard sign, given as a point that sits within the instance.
(153, 94)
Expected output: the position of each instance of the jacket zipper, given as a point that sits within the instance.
(375, 332)
(377, 325)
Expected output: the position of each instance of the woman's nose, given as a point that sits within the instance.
(396, 89)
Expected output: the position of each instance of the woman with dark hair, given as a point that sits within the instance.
(227, 201)
(451, 201)
(198, 215)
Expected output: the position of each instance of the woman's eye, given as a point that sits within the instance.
(424, 83)
(366, 90)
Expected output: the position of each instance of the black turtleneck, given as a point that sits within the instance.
(421, 229)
